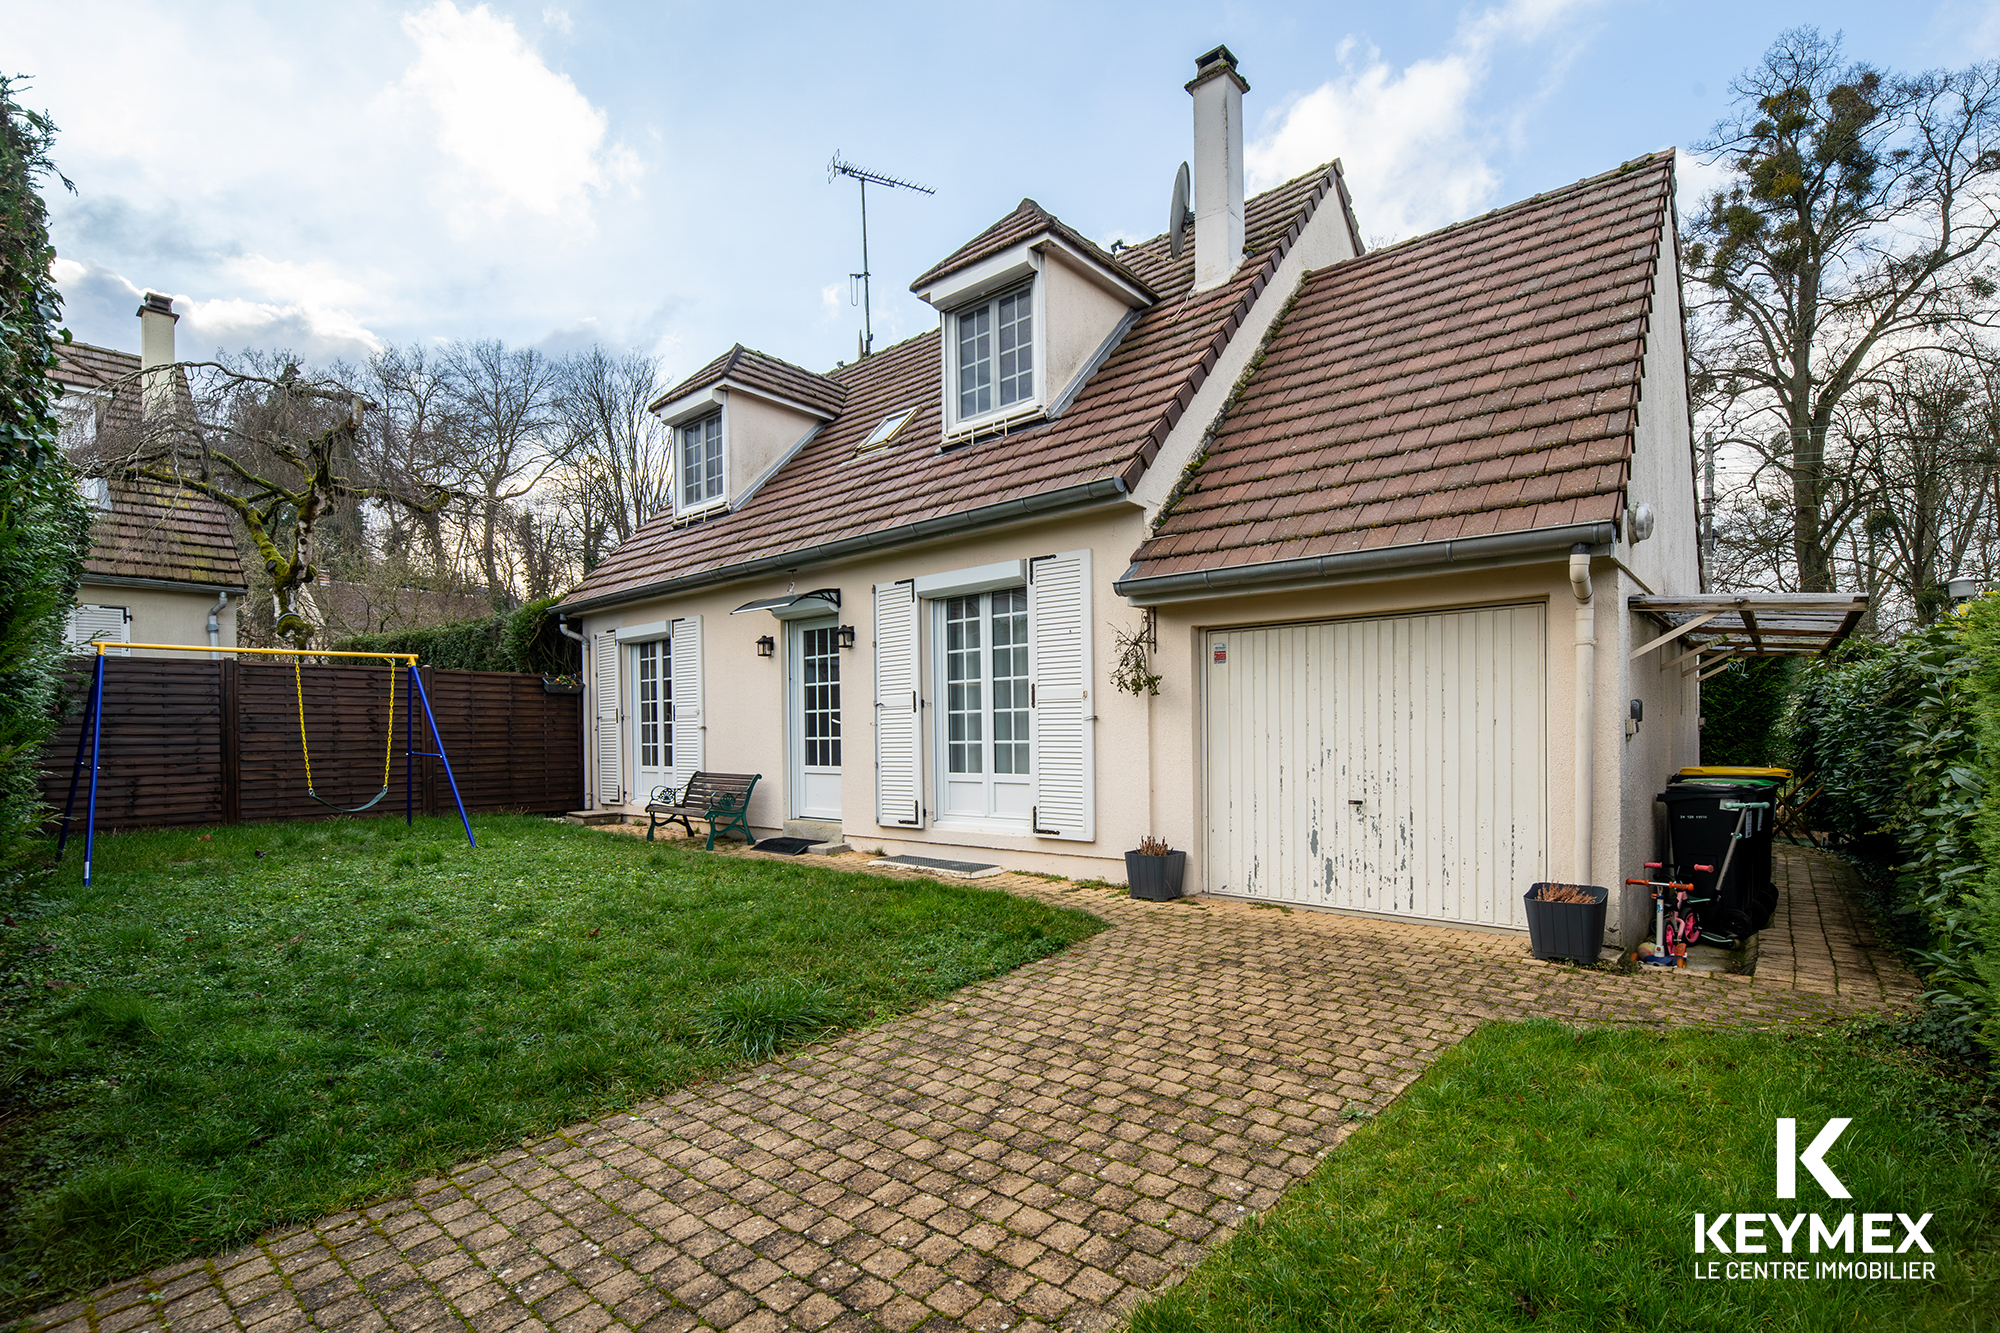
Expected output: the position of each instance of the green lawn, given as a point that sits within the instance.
(268, 1023)
(1538, 1177)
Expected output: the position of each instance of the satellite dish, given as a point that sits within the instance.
(1178, 213)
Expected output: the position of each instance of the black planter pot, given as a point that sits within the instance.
(1155, 878)
(1566, 930)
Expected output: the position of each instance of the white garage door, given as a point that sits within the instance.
(1393, 765)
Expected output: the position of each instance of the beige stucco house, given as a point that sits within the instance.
(1375, 519)
(163, 565)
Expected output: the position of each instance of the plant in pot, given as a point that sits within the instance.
(1154, 871)
(1566, 920)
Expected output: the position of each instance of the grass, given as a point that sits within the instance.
(259, 1024)
(1539, 1177)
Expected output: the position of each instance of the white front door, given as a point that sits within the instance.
(1391, 765)
(652, 682)
(984, 769)
(813, 652)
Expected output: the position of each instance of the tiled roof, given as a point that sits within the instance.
(156, 531)
(762, 371)
(101, 370)
(152, 531)
(1112, 430)
(1029, 219)
(1481, 379)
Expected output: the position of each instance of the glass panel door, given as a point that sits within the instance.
(815, 715)
(652, 705)
(986, 769)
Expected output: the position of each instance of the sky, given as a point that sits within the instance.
(333, 179)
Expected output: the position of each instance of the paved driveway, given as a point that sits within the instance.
(1035, 1152)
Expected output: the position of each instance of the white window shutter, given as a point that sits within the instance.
(1060, 667)
(897, 800)
(90, 624)
(685, 655)
(604, 686)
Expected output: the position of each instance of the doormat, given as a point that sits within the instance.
(784, 846)
(956, 869)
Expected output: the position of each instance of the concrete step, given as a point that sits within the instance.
(589, 817)
(815, 830)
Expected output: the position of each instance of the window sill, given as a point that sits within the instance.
(710, 510)
(994, 423)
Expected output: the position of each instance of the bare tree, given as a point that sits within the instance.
(1860, 229)
(279, 447)
(620, 455)
(510, 439)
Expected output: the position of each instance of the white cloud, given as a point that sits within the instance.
(555, 16)
(315, 332)
(1415, 150)
(106, 302)
(523, 138)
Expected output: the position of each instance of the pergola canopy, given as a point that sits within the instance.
(1708, 631)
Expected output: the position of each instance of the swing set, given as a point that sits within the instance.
(92, 734)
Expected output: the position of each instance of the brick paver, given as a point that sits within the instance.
(1818, 940)
(1034, 1152)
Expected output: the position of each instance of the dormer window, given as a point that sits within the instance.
(701, 462)
(996, 353)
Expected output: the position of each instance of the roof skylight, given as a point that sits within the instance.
(886, 432)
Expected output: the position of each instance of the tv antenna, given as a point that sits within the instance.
(835, 168)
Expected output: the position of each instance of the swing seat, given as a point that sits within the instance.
(370, 804)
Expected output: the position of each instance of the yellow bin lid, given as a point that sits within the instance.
(1726, 772)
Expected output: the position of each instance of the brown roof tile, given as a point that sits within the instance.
(1028, 220)
(1112, 430)
(760, 370)
(151, 531)
(155, 531)
(1480, 379)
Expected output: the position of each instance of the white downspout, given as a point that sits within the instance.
(215, 624)
(1586, 698)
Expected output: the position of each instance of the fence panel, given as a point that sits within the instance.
(160, 759)
(203, 742)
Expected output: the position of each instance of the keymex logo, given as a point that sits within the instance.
(1810, 1233)
(1813, 1159)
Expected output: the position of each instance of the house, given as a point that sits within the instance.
(1374, 520)
(162, 566)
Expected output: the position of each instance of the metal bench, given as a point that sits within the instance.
(723, 799)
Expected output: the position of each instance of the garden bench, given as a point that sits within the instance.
(723, 799)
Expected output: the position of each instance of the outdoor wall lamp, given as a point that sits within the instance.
(846, 636)
(766, 646)
(1634, 716)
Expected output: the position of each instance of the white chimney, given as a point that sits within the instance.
(1218, 91)
(156, 349)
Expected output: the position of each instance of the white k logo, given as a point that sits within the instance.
(1790, 1159)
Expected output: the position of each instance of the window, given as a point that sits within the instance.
(652, 705)
(996, 353)
(983, 657)
(886, 432)
(701, 461)
(819, 681)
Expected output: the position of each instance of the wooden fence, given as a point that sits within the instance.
(206, 742)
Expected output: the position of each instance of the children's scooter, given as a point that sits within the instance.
(1674, 925)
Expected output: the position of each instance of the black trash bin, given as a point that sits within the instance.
(1703, 818)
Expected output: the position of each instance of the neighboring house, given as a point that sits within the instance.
(163, 566)
(1378, 515)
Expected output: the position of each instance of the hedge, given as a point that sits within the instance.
(44, 522)
(1742, 712)
(1904, 740)
(523, 640)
